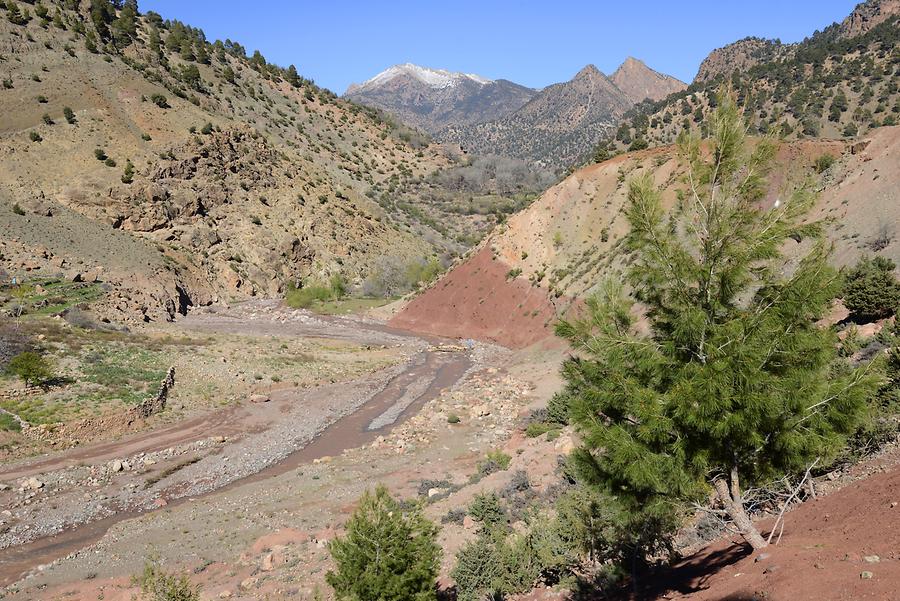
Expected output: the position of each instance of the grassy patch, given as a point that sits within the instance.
(48, 296)
(347, 306)
(8, 423)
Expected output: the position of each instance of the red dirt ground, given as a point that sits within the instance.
(822, 554)
(476, 300)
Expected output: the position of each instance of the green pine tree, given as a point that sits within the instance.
(388, 553)
(734, 384)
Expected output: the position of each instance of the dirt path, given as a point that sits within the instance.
(263, 439)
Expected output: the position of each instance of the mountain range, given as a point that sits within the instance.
(552, 126)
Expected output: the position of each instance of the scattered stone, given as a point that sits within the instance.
(32, 484)
(226, 594)
(249, 583)
(894, 504)
(259, 398)
(762, 557)
(469, 523)
(116, 466)
(273, 560)
(160, 502)
(871, 559)
(866, 575)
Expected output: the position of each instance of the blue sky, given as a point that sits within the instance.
(529, 42)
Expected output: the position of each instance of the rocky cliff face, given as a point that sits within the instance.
(638, 81)
(431, 99)
(867, 15)
(739, 56)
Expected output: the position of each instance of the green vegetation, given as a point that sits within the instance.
(160, 101)
(34, 136)
(311, 293)
(8, 423)
(17, 209)
(31, 367)
(158, 585)
(823, 163)
(128, 173)
(389, 553)
(736, 384)
(69, 115)
(871, 290)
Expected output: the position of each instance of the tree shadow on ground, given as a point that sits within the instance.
(686, 576)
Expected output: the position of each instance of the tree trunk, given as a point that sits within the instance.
(734, 504)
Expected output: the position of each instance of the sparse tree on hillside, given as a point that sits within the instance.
(388, 554)
(31, 367)
(734, 384)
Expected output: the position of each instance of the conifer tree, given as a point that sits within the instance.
(734, 384)
(388, 553)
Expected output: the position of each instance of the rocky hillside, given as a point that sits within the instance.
(557, 250)
(186, 171)
(828, 86)
(554, 127)
(564, 121)
(431, 99)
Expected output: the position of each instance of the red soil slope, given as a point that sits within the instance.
(822, 555)
(476, 300)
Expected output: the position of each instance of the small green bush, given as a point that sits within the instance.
(487, 511)
(110, 162)
(452, 419)
(207, 129)
(17, 209)
(824, 162)
(42, 100)
(160, 101)
(494, 461)
(34, 136)
(388, 553)
(535, 429)
(158, 585)
(69, 115)
(871, 290)
(31, 367)
(100, 154)
(47, 119)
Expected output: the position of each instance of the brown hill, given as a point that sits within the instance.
(569, 240)
(640, 82)
(198, 172)
(555, 127)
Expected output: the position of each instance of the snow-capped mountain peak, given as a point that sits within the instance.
(434, 78)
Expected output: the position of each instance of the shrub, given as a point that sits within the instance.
(452, 419)
(158, 585)
(494, 461)
(46, 119)
(100, 154)
(535, 429)
(388, 553)
(824, 162)
(206, 129)
(487, 511)
(69, 115)
(128, 174)
(34, 136)
(31, 367)
(871, 290)
(160, 101)
(17, 209)
(558, 409)
(42, 100)
(110, 162)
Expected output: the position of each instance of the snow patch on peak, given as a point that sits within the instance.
(435, 78)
